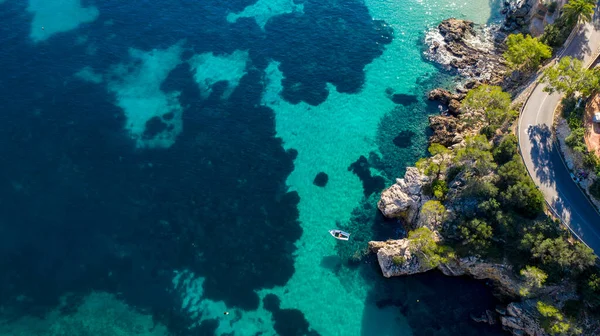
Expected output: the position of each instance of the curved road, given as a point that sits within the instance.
(541, 156)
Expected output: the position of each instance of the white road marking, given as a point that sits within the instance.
(540, 108)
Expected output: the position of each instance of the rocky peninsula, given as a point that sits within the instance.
(405, 199)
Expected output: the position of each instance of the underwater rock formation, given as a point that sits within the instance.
(404, 139)
(371, 183)
(321, 179)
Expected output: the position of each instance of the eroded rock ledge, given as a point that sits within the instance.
(520, 318)
(500, 274)
(402, 257)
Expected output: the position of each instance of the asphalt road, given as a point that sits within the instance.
(541, 156)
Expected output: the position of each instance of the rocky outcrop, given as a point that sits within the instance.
(473, 51)
(442, 95)
(500, 274)
(529, 16)
(522, 318)
(447, 98)
(519, 318)
(397, 257)
(517, 15)
(488, 317)
(400, 257)
(454, 107)
(446, 130)
(455, 30)
(404, 199)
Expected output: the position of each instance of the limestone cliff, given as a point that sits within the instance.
(522, 318)
(399, 257)
(408, 263)
(401, 250)
(404, 257)
(404, 199)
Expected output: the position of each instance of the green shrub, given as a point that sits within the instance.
(590, 160)
(512, 172)
(452, 173)
(572, 113)
(557, 33)
(439, 188)
(489, 131)
(475, 234)
(429, 253)
(475, 156)
(589, 288)
(533, 277)
(525, 198)
(552, 7)
(576, 141)
(525, 52)
(553, 320)
(506, 150)
(568, 106)
(398, 260)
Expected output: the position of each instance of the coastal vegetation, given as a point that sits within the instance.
(525, 53)
(480, 213)
(577, 83)
(554, 321)
(490, 208)
(573, 12)
(578, 11)
(569, 76)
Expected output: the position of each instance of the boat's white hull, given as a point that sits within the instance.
(339, 234)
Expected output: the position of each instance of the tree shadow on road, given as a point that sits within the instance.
(580, 46)
(596, 17)
(560, 210)
(564, 213)
(541, 147)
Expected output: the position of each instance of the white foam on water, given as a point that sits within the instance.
(209, 69)
(56, 16)
(263, 10)
(137, 89)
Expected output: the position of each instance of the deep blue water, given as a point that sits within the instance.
(82, 208)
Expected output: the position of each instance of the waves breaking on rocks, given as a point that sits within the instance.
(473, 51)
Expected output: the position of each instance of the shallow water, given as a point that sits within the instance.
(161, 157)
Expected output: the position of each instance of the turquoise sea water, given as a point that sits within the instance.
(165, 154)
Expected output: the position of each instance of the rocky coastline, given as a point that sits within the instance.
(475, 54)
(472, 51)
(404, 200)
